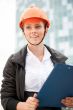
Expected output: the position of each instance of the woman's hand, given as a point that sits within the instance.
(68, 102)
(30, 104)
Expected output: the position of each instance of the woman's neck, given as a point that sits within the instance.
(37, 50)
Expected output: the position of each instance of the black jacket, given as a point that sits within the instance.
(13, 84)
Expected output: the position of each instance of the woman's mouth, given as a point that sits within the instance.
(34, 36)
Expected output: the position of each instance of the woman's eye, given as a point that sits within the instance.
(37, 27)
(28, 27)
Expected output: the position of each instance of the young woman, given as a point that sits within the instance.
(26, 71)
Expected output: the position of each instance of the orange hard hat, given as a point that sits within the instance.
(33, 12)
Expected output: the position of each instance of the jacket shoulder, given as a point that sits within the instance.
(19, 57)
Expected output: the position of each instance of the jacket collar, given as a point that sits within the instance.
(20, 57)
(56, 56)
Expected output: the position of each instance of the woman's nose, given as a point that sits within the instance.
(33, 30)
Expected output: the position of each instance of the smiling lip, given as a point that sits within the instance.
(34, 36)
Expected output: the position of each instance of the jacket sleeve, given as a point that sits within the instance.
(8, 88)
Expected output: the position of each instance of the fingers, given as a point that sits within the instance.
(33, 101)
(35, 95)
(68, 101)
(32, 105)
(69, 98)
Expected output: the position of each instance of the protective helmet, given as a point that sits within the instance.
(33, 12)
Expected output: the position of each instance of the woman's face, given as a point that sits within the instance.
(34, 32)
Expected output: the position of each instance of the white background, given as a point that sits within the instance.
(7, 32)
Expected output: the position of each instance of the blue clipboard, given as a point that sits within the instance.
(57, 86)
